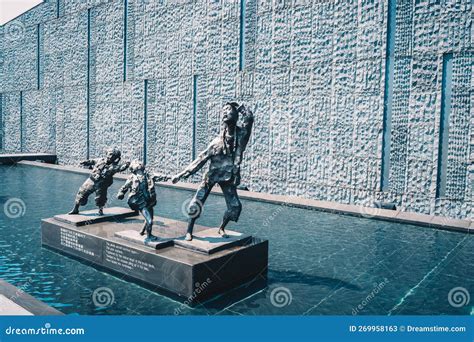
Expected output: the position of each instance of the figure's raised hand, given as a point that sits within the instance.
(245, 113)
(120, 196)
(88, 163)
(161, 178)
(124, 166)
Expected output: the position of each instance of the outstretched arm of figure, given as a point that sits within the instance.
(123, 190)
(123, 167)
(196, 165)
(160, 178)
(88, 162)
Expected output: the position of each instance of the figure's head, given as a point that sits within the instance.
(113, 155)
(230, 113)
(136, 166)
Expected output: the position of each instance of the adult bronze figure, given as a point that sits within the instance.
(225, 153)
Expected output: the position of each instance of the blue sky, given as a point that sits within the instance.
(10, 9)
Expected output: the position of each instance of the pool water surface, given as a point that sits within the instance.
(319, 263)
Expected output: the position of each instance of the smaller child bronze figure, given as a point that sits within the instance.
(142, 196)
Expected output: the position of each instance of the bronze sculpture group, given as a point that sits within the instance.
(224, 153)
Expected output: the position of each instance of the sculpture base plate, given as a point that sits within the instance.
(134, 236)
(208, 241)
(172, 267)
(92, 216)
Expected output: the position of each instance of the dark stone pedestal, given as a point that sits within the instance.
(195, 271)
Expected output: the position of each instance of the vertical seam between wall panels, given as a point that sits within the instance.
(329, 148)
(38, 56)
(1, 121)
(242, 36)
(125, 24)
(195, 78)
(388, 95)
(57, 9)
(444, 125)
(145, 118)
(289, 107)
(405, 146)
(21, 121)
(88, 81)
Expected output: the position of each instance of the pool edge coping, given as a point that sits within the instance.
(398, 216)
(27, 302)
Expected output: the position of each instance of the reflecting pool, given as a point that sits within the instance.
(319, 263)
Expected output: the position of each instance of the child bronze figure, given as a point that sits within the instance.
(142, 195)
(99, 181)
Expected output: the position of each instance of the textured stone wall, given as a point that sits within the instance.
(78, 76)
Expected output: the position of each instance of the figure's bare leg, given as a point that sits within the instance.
(224, 223)
(144, 229)
(195, 206)
(101, 199)
(234, 206)
(189, 233)
(86, 189)
(149, 234)
(74, 210)
(148, 224)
